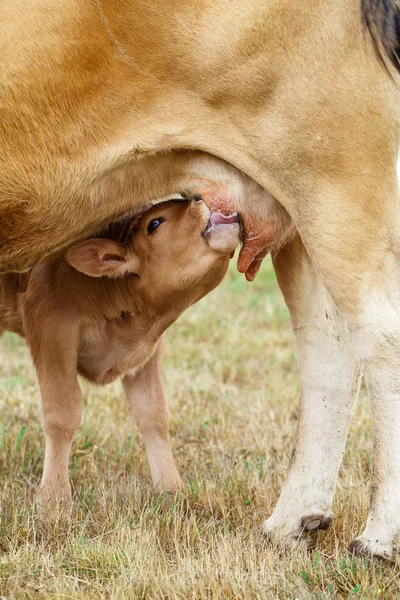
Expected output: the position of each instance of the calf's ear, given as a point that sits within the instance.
(102, 258)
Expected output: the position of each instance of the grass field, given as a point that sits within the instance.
(230, 376)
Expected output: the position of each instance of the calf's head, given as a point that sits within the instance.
(177, 252)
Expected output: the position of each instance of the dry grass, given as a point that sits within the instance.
(231, 378)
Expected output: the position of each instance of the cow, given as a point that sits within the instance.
(109, 103)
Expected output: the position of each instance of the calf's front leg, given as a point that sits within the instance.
(145, 394)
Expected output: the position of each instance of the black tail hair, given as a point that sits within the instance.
(382, 19)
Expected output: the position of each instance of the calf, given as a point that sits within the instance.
(101, 310)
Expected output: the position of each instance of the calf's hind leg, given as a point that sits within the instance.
(329, 383)
(145, 394)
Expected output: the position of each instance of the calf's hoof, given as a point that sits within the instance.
(53, 506)
(172, 485)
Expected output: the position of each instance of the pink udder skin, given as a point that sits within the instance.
(257, 235)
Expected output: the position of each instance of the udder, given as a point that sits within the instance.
(265, 225)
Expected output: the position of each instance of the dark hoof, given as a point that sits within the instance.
(360, 549)
(312, 523)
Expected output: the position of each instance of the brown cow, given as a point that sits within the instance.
(98, 99)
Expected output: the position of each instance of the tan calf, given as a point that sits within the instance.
(101, 311)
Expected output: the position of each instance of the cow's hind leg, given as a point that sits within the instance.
(351, 231)
(377, 336)
(329, 382)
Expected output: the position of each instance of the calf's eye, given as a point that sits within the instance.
(154, 223)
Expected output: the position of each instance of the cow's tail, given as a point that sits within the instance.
(382, 19)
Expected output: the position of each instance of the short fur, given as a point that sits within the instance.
(101, 311)
(278, 109)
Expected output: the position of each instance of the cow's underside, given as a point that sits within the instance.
(287, 94)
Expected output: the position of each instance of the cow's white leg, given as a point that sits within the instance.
(377, 336)
(146, 396)
(329, 383)
(351, 231)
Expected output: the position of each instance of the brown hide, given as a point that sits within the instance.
(91, 90)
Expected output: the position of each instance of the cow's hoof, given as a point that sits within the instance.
(304, 533)
(316, 522)
(371, 549)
